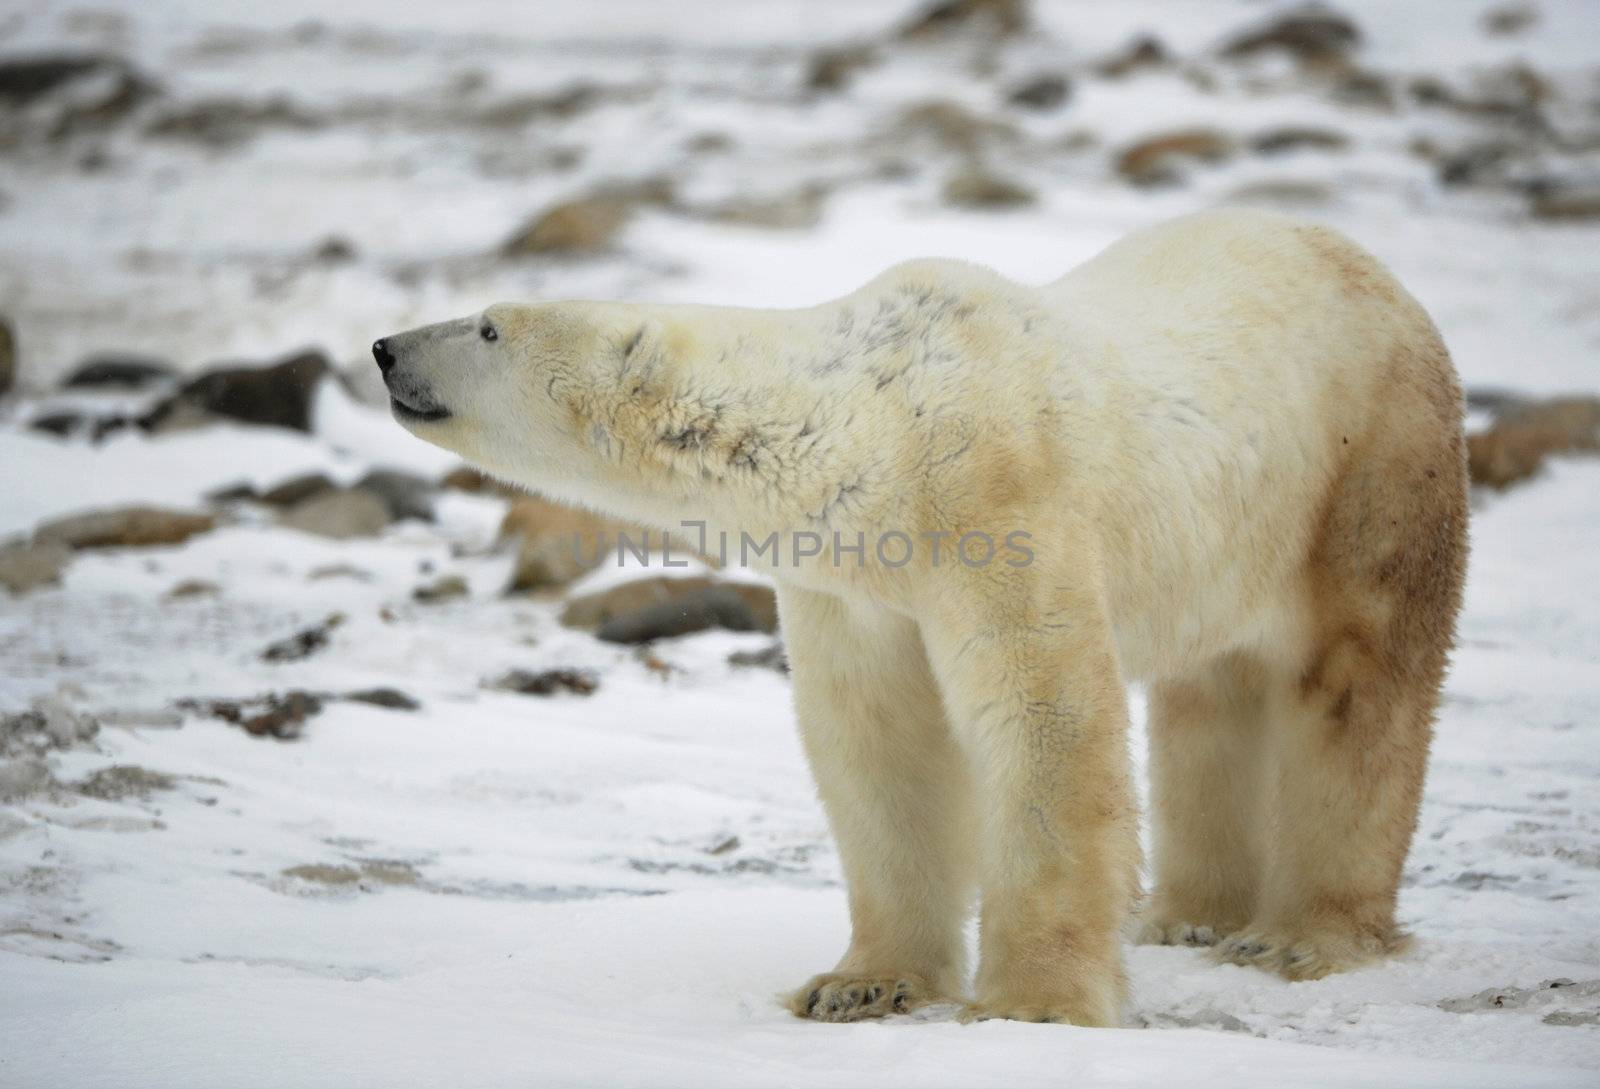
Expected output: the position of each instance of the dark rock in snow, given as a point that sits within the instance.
(407, 495)
(277, 395)
(832, 68)
(118, 372)
(124, 527)
(975, 187)
(340, 514)
(303, 644)
(8, 357)
(1044, 92)
(716, 606)
(943, 17)
(446, 588)
(297, 489)
(771, 657)
(389, 698)
(26, 566)
(1311, 33)
(279, 716)
(547, 682)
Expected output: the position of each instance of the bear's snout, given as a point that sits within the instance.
(381, 352)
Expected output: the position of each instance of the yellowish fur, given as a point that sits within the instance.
(1234, 445)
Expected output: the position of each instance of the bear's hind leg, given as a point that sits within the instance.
(1207, 803)
(1351, 719)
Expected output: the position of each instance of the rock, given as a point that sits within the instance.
(592, 610)
(278, 395)
(118, 372)
(951, 125)
(769, 657)
(1282, 194)
(718, 606)
(586, 225)
(1312, 33)
(193, 588)
(334, 250)
(391, 699)
(520, 110)
(546, 683)
(1043, 92)
(1157, 159)
(468, 478)
(407, 495)
(974, 187)
(943, 17)
(124, 527)
(228, 122)
(1516, 445)
(1142, 53)
(1293, 138)
(556, 544)
(832, 68)
(122, 781)
(25, 79)
(59, 424)
(296, 489)
(304, 643)
(8, 357)
(340, 514)
(1550, 199)
(797, 210)
(76, 92)
(1359, 87)
(49, 724)
(278, 716)
(445, 588)
(1513, 93)
(24, 567)
(240, 492)
(1509, 19)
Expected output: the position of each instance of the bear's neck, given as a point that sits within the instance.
(748, 421)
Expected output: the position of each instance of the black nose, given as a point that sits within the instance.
(385, 358)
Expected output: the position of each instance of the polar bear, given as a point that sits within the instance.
(1228, 455)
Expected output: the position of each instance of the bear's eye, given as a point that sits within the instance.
(488, 333)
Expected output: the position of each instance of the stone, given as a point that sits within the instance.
(124, 527)
(227, 122)
(1311, 33)
(8, 357)
(797, 210)
(770, 657)
(586, 225)
(118, 372)
(1515, 446)
(975, 187)
(1509, 19)
(1157, 159)
(24, 567)
(1042, 92)
(304, 643)
(296, 489)
(474, 481)
(832, 68)
(446, 588)
(407, 495)
(555, 544)
(391, 699)
(1142, 53)
(716, 606)
(951, 125)
(1564, 200)
(340, 514)
(546, 683)
(999, 18)
(1297, 138)
(276, 395)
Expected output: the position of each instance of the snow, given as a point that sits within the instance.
(612, 890)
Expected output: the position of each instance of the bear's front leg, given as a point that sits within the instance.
(1032, 685)
(896, 789)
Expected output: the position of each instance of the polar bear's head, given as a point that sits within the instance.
(530, 392)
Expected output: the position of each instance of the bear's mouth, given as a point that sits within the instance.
(417, 413)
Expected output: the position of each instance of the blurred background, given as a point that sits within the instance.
(356, 714)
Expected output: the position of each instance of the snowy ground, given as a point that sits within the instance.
(610, 890)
